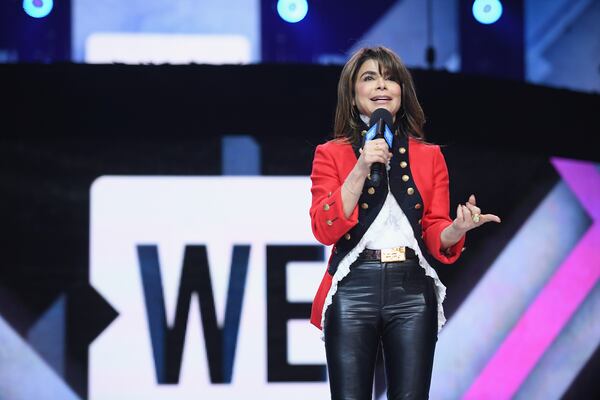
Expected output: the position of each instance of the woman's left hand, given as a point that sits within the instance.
(469, 216)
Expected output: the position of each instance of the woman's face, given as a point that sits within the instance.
(373, 90)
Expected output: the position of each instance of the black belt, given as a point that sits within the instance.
(395, 254)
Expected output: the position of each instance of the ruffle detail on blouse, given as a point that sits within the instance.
(401, 222)
(343, 268)
(440, 288)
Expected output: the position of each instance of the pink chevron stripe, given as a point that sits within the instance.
(556, 303)
(583, 178)
(541, 323)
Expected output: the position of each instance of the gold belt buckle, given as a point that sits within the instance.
(393, 254)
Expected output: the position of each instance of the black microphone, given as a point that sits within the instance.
(382, 118)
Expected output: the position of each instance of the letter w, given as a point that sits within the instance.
(168, 341)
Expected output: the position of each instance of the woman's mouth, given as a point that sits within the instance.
(381, 99)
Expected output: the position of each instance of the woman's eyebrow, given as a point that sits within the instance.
(368, 73)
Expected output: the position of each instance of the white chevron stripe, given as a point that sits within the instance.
(24, 374)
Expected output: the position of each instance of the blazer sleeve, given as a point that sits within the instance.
(327, 217)
(436, 217)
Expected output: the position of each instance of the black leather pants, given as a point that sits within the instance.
(389, 303)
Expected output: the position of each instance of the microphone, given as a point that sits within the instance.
(379, 127)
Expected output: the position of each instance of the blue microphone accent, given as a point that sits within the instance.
(371, 133)
(389, 136)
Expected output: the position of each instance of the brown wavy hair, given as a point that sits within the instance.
(410, 117)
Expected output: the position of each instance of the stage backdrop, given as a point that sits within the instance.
(157, 244)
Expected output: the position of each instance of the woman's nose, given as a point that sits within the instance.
(380, 83)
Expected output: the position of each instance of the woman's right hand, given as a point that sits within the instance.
(374, 151)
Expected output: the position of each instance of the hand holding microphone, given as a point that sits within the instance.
(375, 153)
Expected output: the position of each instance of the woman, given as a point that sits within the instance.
(379, 286)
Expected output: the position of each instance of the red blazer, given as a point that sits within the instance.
(429, 214)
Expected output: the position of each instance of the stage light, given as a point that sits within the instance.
(38, 8)
(487, 11)
(292, 11)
